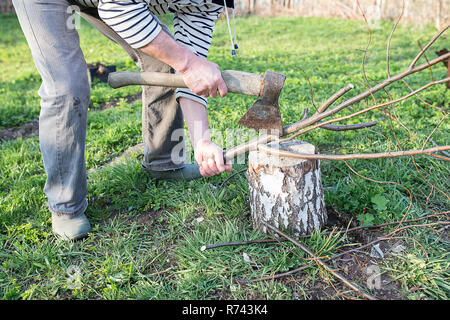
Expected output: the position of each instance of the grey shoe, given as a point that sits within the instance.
(70, 227)
(187, 173)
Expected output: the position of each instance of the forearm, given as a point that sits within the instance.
(167, 50)
(208, 155)
(164, 48)
(196, 120)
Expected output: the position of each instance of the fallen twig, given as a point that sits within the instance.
(229, 177)
(323, 264)
(443, 152)
(302, 268)
(348, 230)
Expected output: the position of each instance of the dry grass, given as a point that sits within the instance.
(418, 12)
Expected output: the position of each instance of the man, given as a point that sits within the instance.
(65, 91)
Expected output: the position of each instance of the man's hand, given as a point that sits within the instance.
(209, 157)
(200, 75)
(204, 78)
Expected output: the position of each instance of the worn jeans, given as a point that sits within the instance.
(65, 95)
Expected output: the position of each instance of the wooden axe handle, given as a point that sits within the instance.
(236, 81)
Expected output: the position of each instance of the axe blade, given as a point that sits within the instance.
(262, 116)
(265, 112)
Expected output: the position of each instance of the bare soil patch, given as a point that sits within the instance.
(31, 129)
(26, 130)
(114, 102)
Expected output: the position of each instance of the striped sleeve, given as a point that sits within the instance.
(131, 19)
(88, 3)
(193, 28)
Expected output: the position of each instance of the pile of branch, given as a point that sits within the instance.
(318, 119)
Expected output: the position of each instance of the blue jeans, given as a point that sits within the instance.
(65, 96)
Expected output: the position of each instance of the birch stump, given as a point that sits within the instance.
(286, 192)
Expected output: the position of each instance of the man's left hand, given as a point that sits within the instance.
(209, 157)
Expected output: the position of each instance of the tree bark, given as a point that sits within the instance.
(285, 192)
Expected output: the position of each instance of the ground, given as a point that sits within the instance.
(147, 234)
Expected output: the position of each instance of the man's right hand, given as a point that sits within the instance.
(204, 78)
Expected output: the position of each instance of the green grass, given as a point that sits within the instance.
(146, 239)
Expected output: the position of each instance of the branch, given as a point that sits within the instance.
(358, 126)
(427, 46)
(291, 272)
(357, 228)
(283, 153)
(318, 117)
(334, 97)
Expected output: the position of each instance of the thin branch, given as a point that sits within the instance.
(420, 98)
(437, 126)
(334, 97)
(443, 152)
(440, 157)
(368, 43)
(231, 176)
(347, 127)
(311, 91)
(386, 182)
(309, 156)
(388, 47)
(302, 268)
(305, 114)
(413, 63)
(324, 115)
(348, 230)
(365, 86)
(317, 117)
(427, 181)
(248, 146)
(426, 59)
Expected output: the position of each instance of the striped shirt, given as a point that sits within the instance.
(135, 21)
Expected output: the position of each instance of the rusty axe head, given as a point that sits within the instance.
(265, 112)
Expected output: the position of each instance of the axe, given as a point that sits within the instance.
(265, 112)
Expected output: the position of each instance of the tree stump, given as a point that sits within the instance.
(286, 192)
